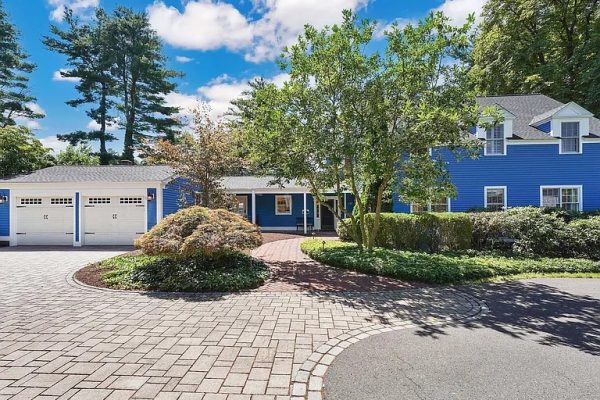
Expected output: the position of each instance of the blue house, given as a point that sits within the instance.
(544, 153)
(113, 205)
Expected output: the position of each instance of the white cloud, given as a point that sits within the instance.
(110, 127)
(458, 10)
(212, 24)
(53, 143)
(183, 59)
(203, 25)
(79, 7)
(57, 76)
(28, 122)
(382, 27)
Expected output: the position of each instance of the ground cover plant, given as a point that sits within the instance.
(194, 250)
(457, 267)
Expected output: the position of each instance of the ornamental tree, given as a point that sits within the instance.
(351, 118)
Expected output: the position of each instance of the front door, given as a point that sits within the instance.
(327, 218)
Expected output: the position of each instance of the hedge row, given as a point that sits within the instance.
(430, 232)
(527, 231)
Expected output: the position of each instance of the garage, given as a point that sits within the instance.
(113, 220)
(45, 221)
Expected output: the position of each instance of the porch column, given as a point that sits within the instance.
(305, 212)
(345, 205)
(253, 207)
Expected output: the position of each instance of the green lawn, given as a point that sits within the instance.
(231, 271)
(444, 268)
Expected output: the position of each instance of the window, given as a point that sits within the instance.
(61, 200)
(283, 204)
(567, 198)
(30, 201)
(437, 205)
(569, 132)
(99, 200)
(495, 198)
(494, 140)
(242, 205)
(130, 200)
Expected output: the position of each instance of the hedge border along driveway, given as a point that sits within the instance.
(444, 268)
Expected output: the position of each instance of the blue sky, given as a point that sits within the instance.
(218, 45)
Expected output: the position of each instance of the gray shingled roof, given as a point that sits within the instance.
(528, 109)
(256, 182)
(106, 173)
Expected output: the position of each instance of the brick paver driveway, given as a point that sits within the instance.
(61, 340)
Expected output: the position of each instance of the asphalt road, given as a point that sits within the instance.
(540, 340)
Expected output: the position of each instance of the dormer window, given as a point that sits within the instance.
(569, 137)
(494, 140)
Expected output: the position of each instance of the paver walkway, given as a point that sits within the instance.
(59, 340)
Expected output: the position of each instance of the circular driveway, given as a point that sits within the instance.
(540, 340)
(61, 340)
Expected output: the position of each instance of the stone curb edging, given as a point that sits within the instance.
(308, 382)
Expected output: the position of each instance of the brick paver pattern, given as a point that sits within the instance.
(59, 340)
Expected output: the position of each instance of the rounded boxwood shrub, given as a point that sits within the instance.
(582, 238)
(200, 230)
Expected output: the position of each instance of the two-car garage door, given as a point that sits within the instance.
(105, 220)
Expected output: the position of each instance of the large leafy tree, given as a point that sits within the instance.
(142, 80)
(354, 119)
(15, 98)
(21, 152)
(203, 157)
(552, 47)
(80, 155)
(90, 58)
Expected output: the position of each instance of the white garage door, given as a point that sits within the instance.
(113, 220)
(45, 221)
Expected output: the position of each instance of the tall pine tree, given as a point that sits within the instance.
(14, 70)
(90, 58)
(142, 80)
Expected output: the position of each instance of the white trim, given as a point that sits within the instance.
(77, 219)
(291, 206)
(522, 142)
(579, 137)
(253, 194)
(448, 206)
(560, 187)
(304, 214)
(485, 189)
(504, 144)
(159, 204)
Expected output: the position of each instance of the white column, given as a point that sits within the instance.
(159, 204)
(253, 207)
(305, 211)
(345, 205)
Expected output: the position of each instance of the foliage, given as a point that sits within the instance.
(432, 232)
(121, 70)
(200, 230)
(89, 59)
(552, 47)
(582, 238)
(223, 271)
(440, 268)
(351, 118)
(202, 157)
(21, 152)
(81, 155)
(15, 100)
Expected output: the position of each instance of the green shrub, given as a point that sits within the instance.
(440, 268)
(219, 271)
(582, 238)
(427, 232)
(199, 229)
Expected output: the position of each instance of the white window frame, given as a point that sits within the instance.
(485, 196)
(429, 206)
(289, 196)
(239, 199)
(485, 151)
(578, 137)
(560, 188)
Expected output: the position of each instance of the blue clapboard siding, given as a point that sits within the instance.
(151, 208)
(265, 211)
(5, 214)
(172, 197)
(523, 170)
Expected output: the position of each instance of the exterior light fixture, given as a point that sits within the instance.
(3, 199)
(151, 197)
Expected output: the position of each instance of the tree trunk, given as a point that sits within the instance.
(103, 153)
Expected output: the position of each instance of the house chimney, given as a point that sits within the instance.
(125, 162)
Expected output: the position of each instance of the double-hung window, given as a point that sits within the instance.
(567, 198)
(441, 204)
(283, 204)
(569, 137)
(494, 140)
(495, 198)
